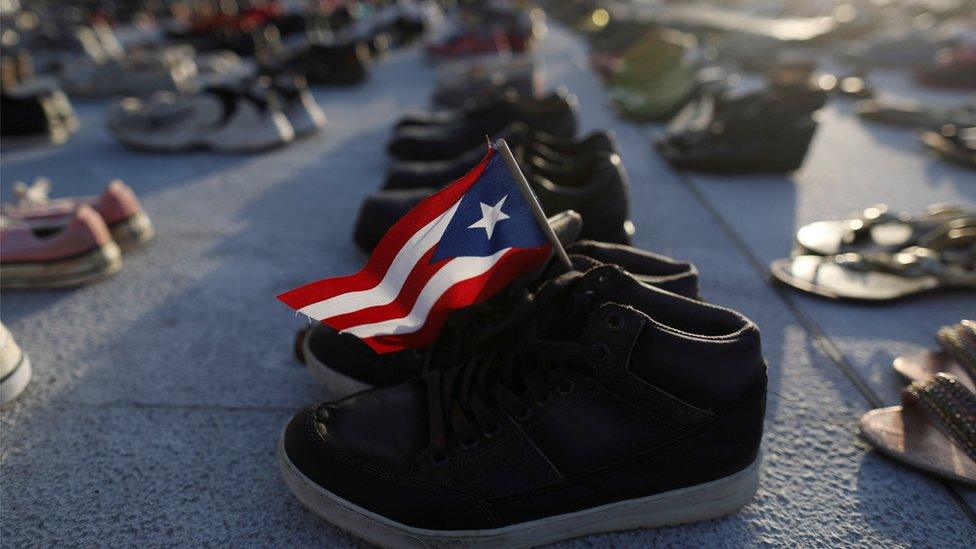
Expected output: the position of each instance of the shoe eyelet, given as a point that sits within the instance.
(494, 432)
(322, 414)
(439, 461)
(604, 352)
(468, 444)
(525, 415)
(544, 401)
(614, 323)
(565, 388)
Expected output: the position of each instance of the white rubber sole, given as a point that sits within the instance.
(336, 385)
(693, 504)
(66, 273)
(16, 381)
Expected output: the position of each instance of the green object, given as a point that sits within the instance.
(656, 75)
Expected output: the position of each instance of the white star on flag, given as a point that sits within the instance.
(490, 216)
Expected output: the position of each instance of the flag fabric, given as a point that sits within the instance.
(457, 248)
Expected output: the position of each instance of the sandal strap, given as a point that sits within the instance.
(910, 262)
(950, 406)
(860, 227)
(959, 340)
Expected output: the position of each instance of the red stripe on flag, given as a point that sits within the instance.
(391, 243)
(401, 305)
(463, 294)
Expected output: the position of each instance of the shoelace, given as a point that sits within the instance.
(464, 325)
(518, 359)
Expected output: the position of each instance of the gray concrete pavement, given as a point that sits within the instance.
(159, 395)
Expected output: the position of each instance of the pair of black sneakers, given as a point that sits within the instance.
(432, 149)
(606, 397)
(728, 131)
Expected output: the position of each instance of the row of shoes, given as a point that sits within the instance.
(255, 115)
(478, 436)
(67, 242)
(881, 255)
(487, 28)
(433, 148)
(653, 72)
(934, 429)
(178, 99)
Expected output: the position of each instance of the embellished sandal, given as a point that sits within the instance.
(945, 259)
(876, 229)
(934, 429)
(957, 357)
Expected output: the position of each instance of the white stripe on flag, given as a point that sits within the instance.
(389, 288)
(458, 270)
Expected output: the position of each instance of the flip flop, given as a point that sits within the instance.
(876, 229)
(934, 430)
(947, 259)
(957, 356)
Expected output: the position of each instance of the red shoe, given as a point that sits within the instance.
(37, 254)
(471, 43)
(118, 206)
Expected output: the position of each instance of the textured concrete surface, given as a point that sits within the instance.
(159, 395)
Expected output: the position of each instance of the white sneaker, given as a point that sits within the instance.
(15, 368)
(219, 119)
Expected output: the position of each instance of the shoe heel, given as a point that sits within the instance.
(133, 233)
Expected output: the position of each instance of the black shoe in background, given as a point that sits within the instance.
(603, 404)
(554, 114)
(339, 64)
(532, 149)
(597, 189)
(763, 131)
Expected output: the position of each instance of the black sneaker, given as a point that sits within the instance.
(597, 189)
(764, 131)
(328, 64)
(30, 118)
(344, 365)
(554, 114)
(547, 153)
(605, 405)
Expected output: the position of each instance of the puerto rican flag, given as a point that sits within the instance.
(455, 249)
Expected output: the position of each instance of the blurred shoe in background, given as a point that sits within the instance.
(655, 76)
(60, 253)
(768, 130)
(465, 84)
(117, 205)
(916, 114)
(222, 119)
(443, 135)
(15, 367)
(956, 143)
